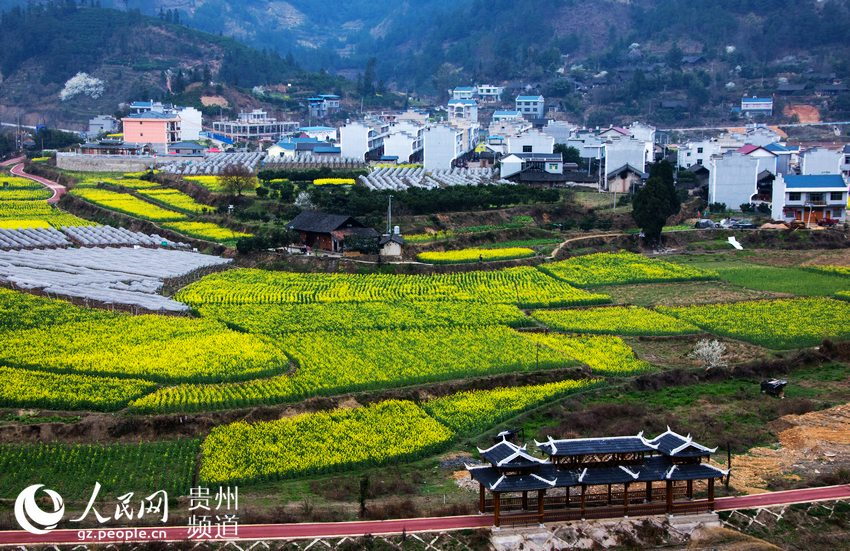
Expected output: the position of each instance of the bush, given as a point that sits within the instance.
(262, 192)
(717, 207)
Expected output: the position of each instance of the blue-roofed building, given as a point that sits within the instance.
(757, 106)
(323, 105)
(815, 199)
(531, 107)
(321, 133)
(464, 92)
(506, 115)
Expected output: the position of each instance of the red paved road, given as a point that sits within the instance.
(58, 190)
(337, 529)
(14, 161)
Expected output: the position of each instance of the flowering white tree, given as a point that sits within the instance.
(710, 353)
(82, 84)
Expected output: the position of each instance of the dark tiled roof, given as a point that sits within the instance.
(322, 222)
(590, 446)
(506, 454)
(675, 445)
(395, 238)
(544, 478)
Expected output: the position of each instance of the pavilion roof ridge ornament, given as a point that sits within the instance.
(549, 482)
(718, 469)
(669, 473)
(520, 453)
(582, 475)
(495, 484)
(634, 475)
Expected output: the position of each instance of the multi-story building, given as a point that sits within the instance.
(739, 178)
(489, 93)
(191, 120)
(530, 142)
(506, 115)
(154, 128)
(323, 105)
(254, 125)
(559, 130)
(550, 163)
(463, 110)
(321, 133)
(445, 144)
(464, 92)
(809, 198)
(531, 107)
(364, 139)
(820, 160)
(757, 106)
(102, 124)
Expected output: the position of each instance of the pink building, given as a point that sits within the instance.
(157, 129)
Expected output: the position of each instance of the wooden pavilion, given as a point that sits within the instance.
(595, 477)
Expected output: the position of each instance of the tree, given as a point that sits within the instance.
(236, 178)
(651, 206)
(710, 353)
(571, 154)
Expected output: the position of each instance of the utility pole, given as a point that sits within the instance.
(390, 216)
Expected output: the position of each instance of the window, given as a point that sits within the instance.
(553, 166)
(794, 196)
(836, 196)
(527, 149)
(815, 197)
(699, 162)
(699, 150)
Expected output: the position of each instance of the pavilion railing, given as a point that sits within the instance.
(612, 511)
(514, 503)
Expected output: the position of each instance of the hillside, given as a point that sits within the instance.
(134, 56)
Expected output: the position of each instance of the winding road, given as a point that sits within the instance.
(57, 189)
(316, 530)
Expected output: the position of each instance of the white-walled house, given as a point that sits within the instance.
(532, 141)
(506, 115)
(531, 107)
(820, 160)
(514, 163)
(646, 134)
(464, 92)
(463, 110)
(559, 130)
(191, 124)
(443, 144)
(626, 151)
(359, 138)
(734, 179)
(489, 93)
(321, 133)
(809, 198)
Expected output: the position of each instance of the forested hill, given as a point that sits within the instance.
(135, 56)
(508, 39)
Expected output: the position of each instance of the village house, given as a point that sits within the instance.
(157, 129)
(531, 107)
(813, 199)
(328, 232)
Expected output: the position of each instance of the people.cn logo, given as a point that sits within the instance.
(30, 516)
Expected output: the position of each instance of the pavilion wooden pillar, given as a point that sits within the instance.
(480, 498)
(609, 494)
(567, 496)
(496, 507)
(626, 499)
(690, 491)
(649, 492)
(583, 494)
(711, 493)
(540, 495)
(669, 496)
(525, 501)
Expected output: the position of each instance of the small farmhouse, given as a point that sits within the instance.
(328, 232)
